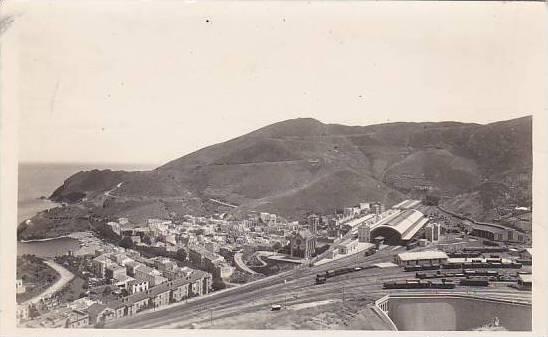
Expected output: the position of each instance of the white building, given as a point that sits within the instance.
(425, 257)
(20, 288)
(364, 234)
(347, 246)
(432, 232)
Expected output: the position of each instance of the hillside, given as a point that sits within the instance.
(302, 165)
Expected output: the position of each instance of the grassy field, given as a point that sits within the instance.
(73, 290)
(36, 276)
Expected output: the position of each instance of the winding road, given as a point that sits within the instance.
(65, 277)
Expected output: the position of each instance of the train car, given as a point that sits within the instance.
(515, 265)
(469, 272)
(525, 262)
(407, 284)
(444, 284)
(423, 275)
(321, 279)
(411, 245)
(504, 278)
(341, 271)
(490, 243)
(411, 268)
(464, 254)
(420, 267)
(486, 249)
(452, 266)
(370, 251)
(419, 284)
(475, 282)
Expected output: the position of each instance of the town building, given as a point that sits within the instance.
(494, 232)
(399, 227)
(209, 261)
(347, 246)
(99, 313)
(197, 284)
(525, 281)
(19, 287)
(22, 312)
(77, 319)
(152, 276)
(114, 271)
(432, 232)
(364, 233)
(303, 244)
(425, 257)
(313, 223)
(131, 267)
(99, 265)
(137, 286)
(377, 208)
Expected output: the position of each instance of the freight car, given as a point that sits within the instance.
(469, 272)
(322, 278)
(464, 254)
(419, 284)
(370, 251)
(475, 282)
(486, 249)
(438, 274)
(421, 267)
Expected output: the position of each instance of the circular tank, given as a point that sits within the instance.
(457, 314)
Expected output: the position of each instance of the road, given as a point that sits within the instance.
(109, 192)
(241, 265)
(65, 277)
(222, 203)
(294, 287)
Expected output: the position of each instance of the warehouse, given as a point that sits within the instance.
(496, 233)
(426, 257)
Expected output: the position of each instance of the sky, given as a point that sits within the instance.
(150, 81)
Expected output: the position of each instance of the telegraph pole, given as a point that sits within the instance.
(211, 317)
(343, 294)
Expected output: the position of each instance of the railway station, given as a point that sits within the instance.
(401, 227)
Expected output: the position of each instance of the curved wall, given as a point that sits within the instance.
(456, 314)
(391, 236)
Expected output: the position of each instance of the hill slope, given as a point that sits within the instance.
(304, 165)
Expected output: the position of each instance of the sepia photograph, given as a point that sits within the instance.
(227, 166)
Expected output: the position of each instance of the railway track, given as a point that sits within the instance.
(293, 287)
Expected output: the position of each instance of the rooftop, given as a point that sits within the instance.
(527, 278)
(96, 308)
(305, 234)
(425, 255)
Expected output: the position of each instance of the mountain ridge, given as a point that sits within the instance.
(303, 165)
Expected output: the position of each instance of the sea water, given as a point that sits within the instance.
(38, 180)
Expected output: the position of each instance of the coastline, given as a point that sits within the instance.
(46, 239)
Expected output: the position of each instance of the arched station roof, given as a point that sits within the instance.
(403, 225)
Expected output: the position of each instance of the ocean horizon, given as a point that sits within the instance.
(40, 179)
